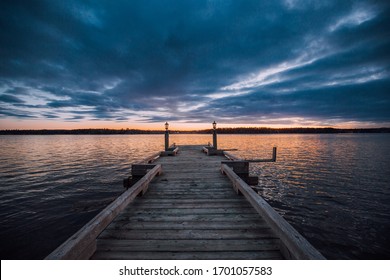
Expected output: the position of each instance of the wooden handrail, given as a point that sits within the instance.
(82, 244)
(295, 245)
(231, 156)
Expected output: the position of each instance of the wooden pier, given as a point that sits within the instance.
(187, 206)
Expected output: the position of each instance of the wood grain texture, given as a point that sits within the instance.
(77, 245)
(297, 246)
(189, 212)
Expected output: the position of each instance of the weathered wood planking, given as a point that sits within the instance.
(188, 255)
(82, 244)
(189, 212)
(195, 245)
(295, 246)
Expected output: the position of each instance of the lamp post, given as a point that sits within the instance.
(215, 135)
(166, 136)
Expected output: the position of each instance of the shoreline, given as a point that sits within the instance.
(239, 130)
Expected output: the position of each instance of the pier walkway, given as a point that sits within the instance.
(188, 206)
(189, 212)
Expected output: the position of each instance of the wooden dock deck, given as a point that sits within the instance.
(190, 211)
(191, 214)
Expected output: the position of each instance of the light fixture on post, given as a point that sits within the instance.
(166, 136)
(215, 135)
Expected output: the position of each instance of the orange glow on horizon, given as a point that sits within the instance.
(181, 126)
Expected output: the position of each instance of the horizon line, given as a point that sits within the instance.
(205, 129)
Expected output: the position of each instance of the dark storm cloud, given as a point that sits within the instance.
(238, 61)
(7, 98)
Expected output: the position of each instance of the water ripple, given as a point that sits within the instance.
(334, 189)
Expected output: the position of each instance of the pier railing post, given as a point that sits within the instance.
(166, 136)
(215, 135)
(274, 154)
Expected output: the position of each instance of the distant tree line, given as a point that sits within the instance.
(77, 131)
(238, 130)
(299, 130)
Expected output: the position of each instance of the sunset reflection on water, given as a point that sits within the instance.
(333, 188)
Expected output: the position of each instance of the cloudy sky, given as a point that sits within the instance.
(278, 63)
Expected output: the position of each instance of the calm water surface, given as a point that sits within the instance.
(334, 189)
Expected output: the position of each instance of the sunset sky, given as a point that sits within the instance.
(137, 64)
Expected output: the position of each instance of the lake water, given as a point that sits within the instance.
(333, 188)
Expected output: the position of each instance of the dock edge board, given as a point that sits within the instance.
(293, 244)
(82, 244)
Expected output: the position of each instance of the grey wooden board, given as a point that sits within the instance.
(195, 211)
(189, 212)
(206, 245)
(174, 234)
(196, 225)
(189, 217)
(191, 255)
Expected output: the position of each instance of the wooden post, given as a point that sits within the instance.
(274, 154)
(166, 140)
(215, 139)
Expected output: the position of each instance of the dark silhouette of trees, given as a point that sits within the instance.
(237, 130)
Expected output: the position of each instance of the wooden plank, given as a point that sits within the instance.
(176, 234)
(189, 245)
(226, 201)
(88, 251)
(192, 205)
(189, 184)
(244, 217)
(188, 196)
(189, 213)
(75, 246)
(228, 255)
(184, 177)
(230, 156)
(297, 245)
(195, 225)
(178, 211)
(171, 183)
(191, 202)
(192, 190)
